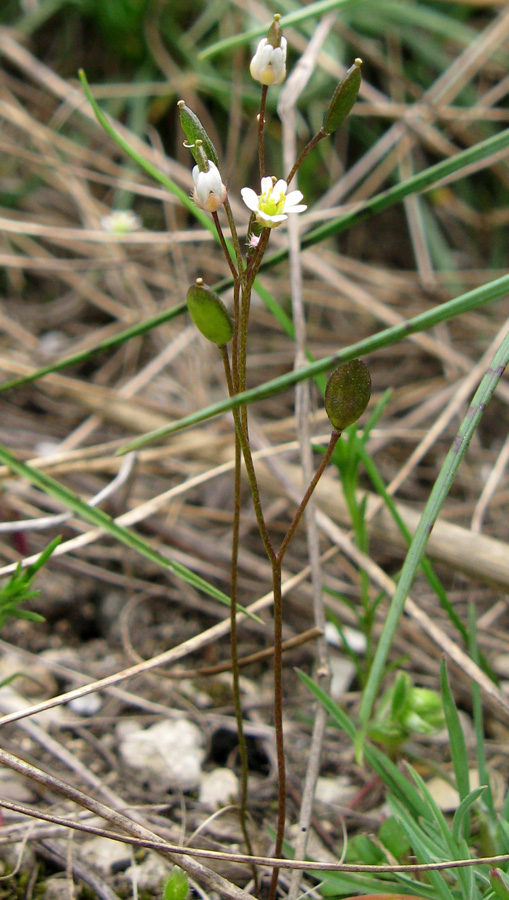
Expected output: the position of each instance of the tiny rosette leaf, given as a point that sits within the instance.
(347, 393)
(177, 886)
(343, 98)
(194, 131)
(209, 313)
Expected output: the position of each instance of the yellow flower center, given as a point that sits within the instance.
(270, 205)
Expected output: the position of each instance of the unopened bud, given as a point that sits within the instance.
(209, 313)
(347, 393)
(343, 99)
(268, 65)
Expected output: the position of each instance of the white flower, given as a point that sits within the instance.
(268, 65)
(272, 206)
(209, 191)
(120, 221)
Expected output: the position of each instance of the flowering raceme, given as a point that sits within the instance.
(268, 65)
(273, 205)
(209, 191)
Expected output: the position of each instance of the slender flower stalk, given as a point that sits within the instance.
(269, 209)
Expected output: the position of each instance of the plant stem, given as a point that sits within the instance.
(234, 651)
(278, 658)
(307, 149)
(278, 719)
(226, 252)
(261, 125)
(305, 500)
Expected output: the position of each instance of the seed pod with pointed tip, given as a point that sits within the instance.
(347, 393)
(343, 98)
(209, 313)
(194, 131)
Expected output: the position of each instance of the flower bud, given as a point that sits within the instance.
(194, 131)
(347, 393)
(268, 65)
(209, 313)
(343, 98)
(209, 191)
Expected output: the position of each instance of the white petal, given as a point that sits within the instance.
(295, 209)
(250, 198)
(293, 197)
(266, 184)
(280, 187)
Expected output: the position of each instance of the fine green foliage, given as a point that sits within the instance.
(18, 589)
(419, 829)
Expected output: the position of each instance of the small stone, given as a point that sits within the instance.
(343, 673)
(88, 705)
(150, 874)
(339, 790)
(103, 854)
(167, 755)
(219, 788)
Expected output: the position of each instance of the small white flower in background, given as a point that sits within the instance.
(268, 65)
(209, 191)
(273, 205)
(120, 221)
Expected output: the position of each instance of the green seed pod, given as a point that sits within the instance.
(177, 886)
(194, 131)
(209, 313)
(347, 393)
(343, 98)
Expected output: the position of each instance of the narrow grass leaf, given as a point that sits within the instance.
(494, 290)
(433, 506)
(102, 520)
(457, 741)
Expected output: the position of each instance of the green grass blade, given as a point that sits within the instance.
(482, 768)
(422, 181)
(433, 506)
(460, 816)
(459, 754)
(313, 10)
(108, 344)
(464, 303)
(102, 520)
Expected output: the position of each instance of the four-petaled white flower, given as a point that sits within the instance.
(120, 221)
(268, 65)
(272, 206)
(209, 191)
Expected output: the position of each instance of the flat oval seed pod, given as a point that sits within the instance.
(343, 98)
(209, 313)
(347, 393)
(194, 131)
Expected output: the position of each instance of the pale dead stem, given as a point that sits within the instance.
(287, 111)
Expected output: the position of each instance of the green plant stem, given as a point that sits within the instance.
(305, 500)
(319, 136)
(234, 655)
(261, 126)
(278, 719)
(235, 237)
(248, 461)
(224, 246)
